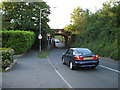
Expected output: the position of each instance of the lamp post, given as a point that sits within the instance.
(40, 36)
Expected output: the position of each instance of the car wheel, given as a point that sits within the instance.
(63, 61)
(71, 66)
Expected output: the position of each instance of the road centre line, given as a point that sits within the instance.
(110, 68)
(59, 74)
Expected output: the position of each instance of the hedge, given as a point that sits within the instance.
(6, 57)
(20, 41)
(104, 44)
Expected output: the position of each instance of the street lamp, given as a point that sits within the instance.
(40, 36)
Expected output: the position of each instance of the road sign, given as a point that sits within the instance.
(40, 36)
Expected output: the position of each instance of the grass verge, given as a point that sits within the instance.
(43, 54)
(1, 70)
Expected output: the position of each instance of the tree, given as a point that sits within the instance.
(26, 16)
(116, 11)
(72, 28)
(77, 21)
(101, 31)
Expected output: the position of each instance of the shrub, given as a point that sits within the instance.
(104, 40)
(6, 57)
(20, 41)
(105, 45)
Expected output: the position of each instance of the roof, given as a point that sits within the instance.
(78, 48)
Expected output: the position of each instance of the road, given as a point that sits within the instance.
(32, 72)
(101, 77)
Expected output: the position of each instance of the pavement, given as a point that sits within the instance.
(33, 72)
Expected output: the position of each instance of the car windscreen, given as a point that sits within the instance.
(82, 51)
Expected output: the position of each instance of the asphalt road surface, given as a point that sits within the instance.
(104, 76)
(32, 72)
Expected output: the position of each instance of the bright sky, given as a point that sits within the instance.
(60, 16)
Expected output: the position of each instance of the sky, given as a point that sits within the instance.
(61, 10)
(60, 16)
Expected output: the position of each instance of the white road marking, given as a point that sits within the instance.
(110, 69)
(59, 74)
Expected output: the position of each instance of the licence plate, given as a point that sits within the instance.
(87, 58)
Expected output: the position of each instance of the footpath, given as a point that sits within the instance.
(32, 72)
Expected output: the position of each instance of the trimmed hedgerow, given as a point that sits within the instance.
(20, 41)
(6, 57)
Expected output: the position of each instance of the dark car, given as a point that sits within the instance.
(80, 57)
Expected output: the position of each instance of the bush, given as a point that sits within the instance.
(7, 56)
(104, 40)
(20, 41)
(106, 45)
